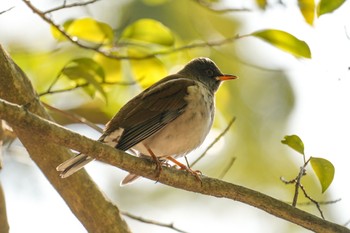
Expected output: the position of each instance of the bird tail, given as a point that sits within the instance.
(130, 178)
(74, 164)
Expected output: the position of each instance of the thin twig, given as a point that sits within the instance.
(74, 117)
(4, 11)
(228, 167)
(312, 200)
(297, 185)
(148, 221)
(109, 53)
(65, 6)
(208, 6)
(58, 27)
(53, 83)
(215, 141)
(320, 202)
(288, 181)
(49, 91)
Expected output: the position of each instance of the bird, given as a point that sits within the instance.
(164, 122)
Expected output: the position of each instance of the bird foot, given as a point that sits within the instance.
(158, 162)
(195, 173)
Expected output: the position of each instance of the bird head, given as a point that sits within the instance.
(204, 70)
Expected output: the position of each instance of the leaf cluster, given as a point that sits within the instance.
(323, 168)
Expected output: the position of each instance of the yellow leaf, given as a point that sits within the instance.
(307, 9)
(86, 29)
(324, 171)
(149, 31)
(294, 142)
(285, 41)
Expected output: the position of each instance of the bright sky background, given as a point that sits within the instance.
(321, 118)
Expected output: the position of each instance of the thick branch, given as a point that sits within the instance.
(4, 226)
(80, 193)
(53, 133)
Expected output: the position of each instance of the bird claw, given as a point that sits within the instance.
(195, 173)
(160, 162)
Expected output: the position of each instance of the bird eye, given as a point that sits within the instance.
(209, 72)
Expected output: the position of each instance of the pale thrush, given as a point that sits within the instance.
(165, 121)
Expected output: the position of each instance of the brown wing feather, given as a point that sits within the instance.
(150, 111)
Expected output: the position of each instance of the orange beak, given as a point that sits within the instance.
(226, 77)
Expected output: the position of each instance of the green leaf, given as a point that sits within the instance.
(87, 69)
(307, 9)
(149, 31)
(294, 142)
(324, 171)
(285, 41)
(86, 29)
(328, 6)
(90, 65)
(149, 71)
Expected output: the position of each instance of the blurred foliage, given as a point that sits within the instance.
(88, 70)
(148, 31)
(261, 3)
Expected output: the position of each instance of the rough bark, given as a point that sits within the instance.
(4, 225)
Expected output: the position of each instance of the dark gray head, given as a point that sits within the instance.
(205, 71)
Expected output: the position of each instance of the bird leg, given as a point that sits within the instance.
(195, 173)
(157, 161)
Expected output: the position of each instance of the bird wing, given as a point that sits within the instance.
(150, 111)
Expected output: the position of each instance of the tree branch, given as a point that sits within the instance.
(4, 225)
(65, 6)
(50, 132)
(207, 5)
(74, 117)
(50, 91)
(79, 191)
(4, 11)
(157, 223)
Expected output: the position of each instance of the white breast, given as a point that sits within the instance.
(186, 132)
